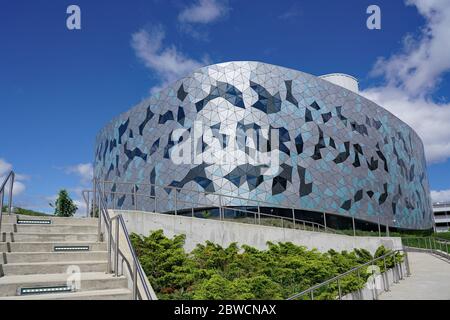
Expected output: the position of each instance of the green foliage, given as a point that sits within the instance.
(206, 214)
(213, 272)
(26, 212)
(64, 206)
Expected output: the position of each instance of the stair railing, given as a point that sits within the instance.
(397, 275)
(10, 177)
(113, 240)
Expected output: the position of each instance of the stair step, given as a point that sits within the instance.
(48, 246)
(11, 285)
(53, 267)
(55, 220)
(109, 294)
(48, 228)
(50, 237)
(31, 257)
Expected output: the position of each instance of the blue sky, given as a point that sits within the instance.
(58, 87)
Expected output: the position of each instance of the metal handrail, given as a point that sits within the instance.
(313, 225)
(434, 245)
(356, 269)
(113, 245)
(10, 177)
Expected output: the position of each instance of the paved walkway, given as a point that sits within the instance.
(429, 280)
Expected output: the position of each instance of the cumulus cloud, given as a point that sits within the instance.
(413, 74)
(167, 62)
(419, 67)
(440, 195)
(204, 11)
(19, 186)
(84, 170)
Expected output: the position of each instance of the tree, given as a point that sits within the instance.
(64, 206)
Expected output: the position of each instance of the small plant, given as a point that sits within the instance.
(64, 206)
(206, 214)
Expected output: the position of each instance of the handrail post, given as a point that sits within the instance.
(135, 197)
(386, 288)
(220, 208)
(408, 270)
(339, 289)
(176, 203)
(293, 217)
(259, 215)
(109, 267)
(135, 280)
(325, 220)
(11, 186)
(379, 227)
(353, 224)
(116, 251)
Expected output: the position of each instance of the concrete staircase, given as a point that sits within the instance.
(40, 254)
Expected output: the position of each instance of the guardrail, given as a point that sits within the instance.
(398, 271)
(10, 177)
(188, 207)
(433, 245)
(113, 241)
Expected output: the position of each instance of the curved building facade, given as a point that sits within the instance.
(270, 134)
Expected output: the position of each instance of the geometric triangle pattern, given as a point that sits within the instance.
(334, 151)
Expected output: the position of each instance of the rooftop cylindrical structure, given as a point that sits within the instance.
(341, 79)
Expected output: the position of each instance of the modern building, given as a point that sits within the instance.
(284, 141)
(441, 214)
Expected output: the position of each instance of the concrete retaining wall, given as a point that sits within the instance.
(383, 282)
(199, 230)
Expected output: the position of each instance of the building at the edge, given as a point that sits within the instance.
(441, 211)
(335, 151)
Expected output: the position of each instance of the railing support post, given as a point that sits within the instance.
(386, 287)
(176, 201)
(259, 215)
(353, 224)
(325, 220)
(135, 280)
(339, 289)
(408, 271)
(11, 186)
(1, 209)
(109, 264)
(293, 217)
(116, 251)
(221, 213)
(379, 227)
(135, 197)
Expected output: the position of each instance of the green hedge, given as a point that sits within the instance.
(213, 272)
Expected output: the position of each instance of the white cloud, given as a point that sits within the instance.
(440, 196)
(414, 73)
(19, 186)
(84, 170)
(204, 11)
(167, 62)
(429, 119)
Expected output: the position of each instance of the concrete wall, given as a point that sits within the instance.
(199, 230)
(383, 282)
